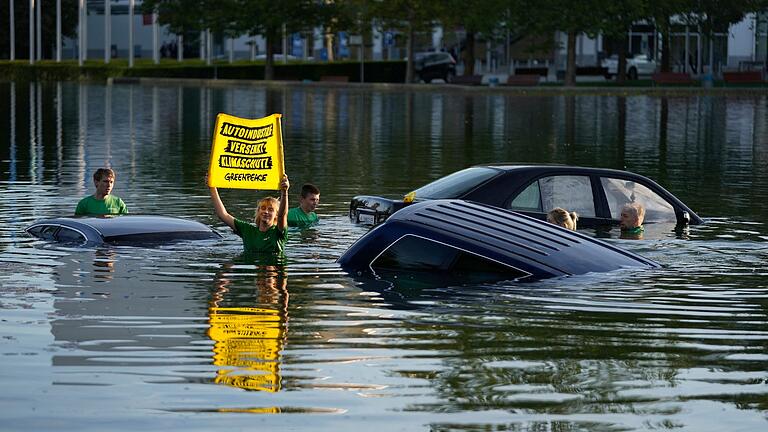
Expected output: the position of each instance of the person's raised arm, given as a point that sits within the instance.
(221, 211)
(282, 211)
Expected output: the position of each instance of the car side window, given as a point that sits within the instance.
(414, 253)
(35, 231)
(47, 232)
(619, 192)
(573, 193)
(529, 199)
(67, 235)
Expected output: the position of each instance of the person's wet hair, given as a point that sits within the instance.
(563, 218)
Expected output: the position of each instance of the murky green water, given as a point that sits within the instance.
(196, 337)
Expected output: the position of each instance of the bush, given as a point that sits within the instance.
(375, 71)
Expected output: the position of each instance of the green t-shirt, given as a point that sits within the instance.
(271, 241)
(110, 205)
(297, 218)
(635, 230)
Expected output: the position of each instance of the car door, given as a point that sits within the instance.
(574, 192)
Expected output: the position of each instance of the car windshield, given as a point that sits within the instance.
(456, 184)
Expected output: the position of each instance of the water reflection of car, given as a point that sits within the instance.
(596, 194)
(434, 65)
(120, 230)
(640, 64)
(467, 241)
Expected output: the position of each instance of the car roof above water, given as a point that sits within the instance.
(130, 228)
(536, 248)
(559, 168)
(139, 224)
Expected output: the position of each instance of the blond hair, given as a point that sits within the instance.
(563, 218)
(271, 201)
(636, 210)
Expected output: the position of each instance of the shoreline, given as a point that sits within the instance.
(547, 89)
(382, 74)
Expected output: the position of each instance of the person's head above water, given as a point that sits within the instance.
(266, 211)
(632, 216)
(310, 197)
(104, 180)
(562, 217)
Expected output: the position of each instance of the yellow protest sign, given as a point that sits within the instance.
(247, 153)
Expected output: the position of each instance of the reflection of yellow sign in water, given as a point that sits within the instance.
(247, 153)
(248, 340)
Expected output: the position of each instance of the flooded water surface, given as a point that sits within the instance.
(197, 336)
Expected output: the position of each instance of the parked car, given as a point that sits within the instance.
(278, 57)
(120, 230)
(596, 194)
(463, 240)
(434, 65)
(640, 64)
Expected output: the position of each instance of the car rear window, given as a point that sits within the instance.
(416, 254)
(456, 184)
(67, 235)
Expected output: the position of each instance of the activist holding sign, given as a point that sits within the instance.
(248, 154)
(269, 231)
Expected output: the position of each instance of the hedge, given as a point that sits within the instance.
(374, 71)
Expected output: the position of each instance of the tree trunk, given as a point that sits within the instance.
(269, 66)
(570, 69)
(409, 53)
(329, 46)
(665, 45)
(469, 54)
(621, 67)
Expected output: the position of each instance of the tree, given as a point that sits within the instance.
(69, 13)
(716, 15)
(347, 15)
(475, 17)
(661, 13)
(408, 16)
(616, 19)
(573, 18)
(182, 16)
(178, 14)
(267, 18)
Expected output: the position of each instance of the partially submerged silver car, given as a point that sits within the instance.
(120, 230)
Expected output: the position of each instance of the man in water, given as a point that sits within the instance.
(101, 202)
(304, 215)
(631, 221)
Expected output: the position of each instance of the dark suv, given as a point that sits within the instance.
(432, 65)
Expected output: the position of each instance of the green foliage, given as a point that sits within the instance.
(717, 15)
(419, 15)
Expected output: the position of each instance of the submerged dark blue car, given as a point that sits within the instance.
(120, 230)
(459, 239)
(596, 194)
